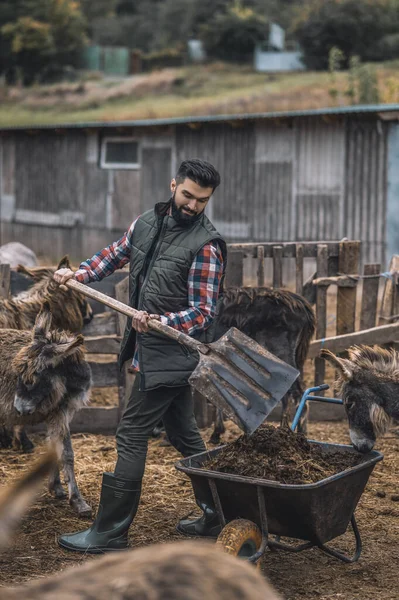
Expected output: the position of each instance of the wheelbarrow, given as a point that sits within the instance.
(256, 513)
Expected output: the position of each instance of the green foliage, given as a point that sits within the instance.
(354, 26)
(368, 84)
(335, 60)
(44, 36)
(233, 35)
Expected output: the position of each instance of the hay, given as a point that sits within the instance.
(167, 497)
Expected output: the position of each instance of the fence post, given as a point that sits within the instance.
(5, 277)
(389, 306)
(348, 264)
(235, 269)
(321, 309)
(370, 296)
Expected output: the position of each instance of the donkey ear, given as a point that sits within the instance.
(63, 348)
(64, 263)
(343, 365)
(15, 499)
(43, 321)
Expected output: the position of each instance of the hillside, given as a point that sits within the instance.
(212, 89)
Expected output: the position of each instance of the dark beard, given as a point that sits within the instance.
(180, 217)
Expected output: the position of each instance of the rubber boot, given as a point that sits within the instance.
(118, 506)
(206, 526)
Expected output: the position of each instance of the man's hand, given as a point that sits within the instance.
(140, 323)
(62, 275)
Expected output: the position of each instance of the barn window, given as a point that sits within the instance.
(120, 153)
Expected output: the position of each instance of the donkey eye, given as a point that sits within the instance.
(349, 406)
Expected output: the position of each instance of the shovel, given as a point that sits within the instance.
(235, 373)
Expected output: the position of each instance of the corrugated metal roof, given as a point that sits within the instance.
(342, 110)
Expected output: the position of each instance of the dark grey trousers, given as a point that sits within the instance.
(144, 410)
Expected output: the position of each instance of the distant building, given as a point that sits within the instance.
(273, 56)
(304, 175)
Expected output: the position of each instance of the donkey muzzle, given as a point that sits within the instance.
(23, 407)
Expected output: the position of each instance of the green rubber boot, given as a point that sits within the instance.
(118, 506)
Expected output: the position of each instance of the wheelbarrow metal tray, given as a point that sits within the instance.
(316, 512)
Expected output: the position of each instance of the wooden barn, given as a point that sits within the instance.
(309, 175)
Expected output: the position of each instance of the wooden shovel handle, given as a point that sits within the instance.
(174, 334)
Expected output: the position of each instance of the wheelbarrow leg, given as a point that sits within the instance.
(340, 555)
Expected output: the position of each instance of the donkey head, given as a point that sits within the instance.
(366, 383)
(41, 382)
(70, 309)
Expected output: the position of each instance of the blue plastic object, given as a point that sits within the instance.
(308, 395)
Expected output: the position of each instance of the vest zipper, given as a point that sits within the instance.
(141, 292)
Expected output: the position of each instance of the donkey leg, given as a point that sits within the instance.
(5, 437)
(219, 427)
(21, 440)
(55, 486)
(68, 463)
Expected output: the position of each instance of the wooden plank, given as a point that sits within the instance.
(122, 294)
(389, 303)
(235, 269)
(96, 419)
(261, 267)
(5, 280)
(289, 248)
(103, 344)
(348, 263)
(339, 343)
(90, 419)
(299, 269)
(101, 324)
(277, 266)
(321, 310)
(104, 374)
(369, 296)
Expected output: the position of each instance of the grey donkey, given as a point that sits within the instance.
(368, 382)
(44, 378)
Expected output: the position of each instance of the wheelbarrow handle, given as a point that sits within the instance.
(124, 309)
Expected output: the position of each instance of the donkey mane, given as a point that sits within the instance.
(380, 362)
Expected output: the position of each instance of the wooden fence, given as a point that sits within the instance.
(336, 264)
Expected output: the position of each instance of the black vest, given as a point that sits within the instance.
(161, 256)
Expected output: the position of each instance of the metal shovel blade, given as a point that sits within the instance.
(243, 379)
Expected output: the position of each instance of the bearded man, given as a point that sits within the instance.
(177, 263)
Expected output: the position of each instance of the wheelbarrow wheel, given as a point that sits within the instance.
(241, 538)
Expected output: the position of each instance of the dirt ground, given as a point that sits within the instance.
(167, 497)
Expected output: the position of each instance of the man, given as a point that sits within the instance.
(177, 262)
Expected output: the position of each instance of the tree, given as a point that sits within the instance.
(45, 35)
(233, 35)
(354, 26)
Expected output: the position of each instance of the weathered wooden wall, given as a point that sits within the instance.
(307, 178)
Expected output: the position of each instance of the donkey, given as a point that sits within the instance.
(279, 320)
(368, 382)
(44, 378)
(70, 310)
(182, 570)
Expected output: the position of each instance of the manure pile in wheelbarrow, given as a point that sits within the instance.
(278, 454)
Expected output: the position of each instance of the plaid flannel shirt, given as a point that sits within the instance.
(202, 284)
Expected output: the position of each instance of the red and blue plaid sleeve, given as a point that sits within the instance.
(107, 260)
(203, 292)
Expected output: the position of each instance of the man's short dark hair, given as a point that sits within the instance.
(200, 171)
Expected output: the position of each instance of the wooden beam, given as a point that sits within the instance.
(376, 335)
(101, 324)
(277, 267)
(289, 248)
(104, 374)
(346, 281)
(299, 269)
(109, 344)
(261, 266)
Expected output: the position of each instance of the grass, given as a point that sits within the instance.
(190, 91)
